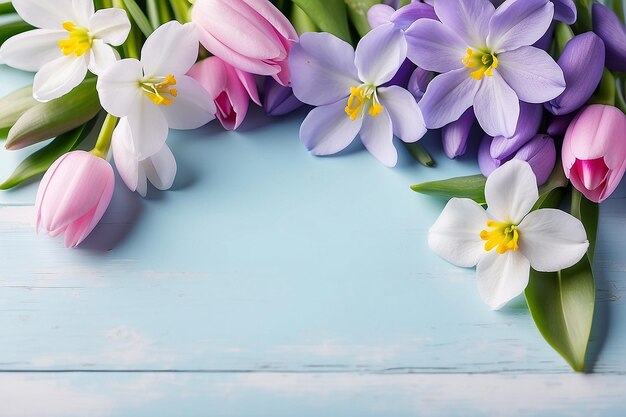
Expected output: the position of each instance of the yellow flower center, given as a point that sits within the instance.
(360, 98)
(502, 236)
(483, 63)
(79, 41)
(159, 90)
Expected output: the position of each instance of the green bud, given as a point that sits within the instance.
(15, 105)
(472, 187)
(47, 120)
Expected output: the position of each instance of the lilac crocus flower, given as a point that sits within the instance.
(403, 18)
(278, 100)
(611, 30)
(345, 87)
(564, 10)
(485, 60)
(454, 135)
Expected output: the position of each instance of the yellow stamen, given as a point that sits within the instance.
(79, 41)
(360, 98)
(483, 62)
(502, 236)
(159, 90)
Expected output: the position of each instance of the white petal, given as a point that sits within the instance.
(171, 49)
(511, 191)
(101, 57)
(125, 161)
(552, 240)
(380, 54)
(192, 108)
(377, 136)
(118, 87)
(406, 116)
(149, 129)
(45, 14)
(83, 10)
(142, 182)
(59, 77)
(160, 168)
(502, 277)
(110, 25)
(29, 51)
(455, 236)
(496, 106)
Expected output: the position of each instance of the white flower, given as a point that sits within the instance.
(159, 168)
(508, 239)
(155, 94)
(70, 39)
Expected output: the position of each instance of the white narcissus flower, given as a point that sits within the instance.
(151, 96)
(70, 39)
(508, 239)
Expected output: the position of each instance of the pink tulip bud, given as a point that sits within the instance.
(252, 35)
(230, 88)
(594, 151)
(73, 196)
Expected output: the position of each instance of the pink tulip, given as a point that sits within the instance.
(73, 196)
(252, 35)
(230, 88)
(594, 151)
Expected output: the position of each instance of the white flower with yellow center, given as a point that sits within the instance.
(155, 94)
(71, 38)
(507, 239)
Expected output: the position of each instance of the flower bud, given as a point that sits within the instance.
(279, 100)
(610, 29)
(527, 126)
(454, 136)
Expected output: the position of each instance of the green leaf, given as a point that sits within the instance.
(14, 105)
(588, 213)
(301, 21)
(420, 154)
(357, 10)
(139, 17)
(329, 15)
(10, 29)
(51, 119)
(7, 8)
(472, 187)
(39, 162)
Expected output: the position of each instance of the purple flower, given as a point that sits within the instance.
(485, 60)
(610, 29)
(539, 152)
(454, 135)
(564, 10)
(582, 62)
(402, 18)
(527, 126)
(418, 83)
(346, 88)
(278, 100)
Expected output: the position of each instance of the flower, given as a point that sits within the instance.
(231, 89)
(345, 85)
(159, 168)
(539, 152)
(154, 94)
(528, 124)
(454, 135)
(381, 14)
(73, 196)
(70, 38)
(508, 239)
(611, 30)
(594, 151)
(485, 60)
(582, 62)
(564, 10)
(279, 100)
(252, 35)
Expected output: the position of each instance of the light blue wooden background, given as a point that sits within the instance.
(269, 282)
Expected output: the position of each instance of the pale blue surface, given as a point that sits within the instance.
(271, 282)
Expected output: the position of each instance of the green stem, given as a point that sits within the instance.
(153, 13)
(103, 143)
(165, 13)
(563, 35)
(618, 8)
(181, 10)
(605, 94)
(130, 47)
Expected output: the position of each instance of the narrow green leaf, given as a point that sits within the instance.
(301, 21)
(552, 199)
(10, 29)
(39, 162)
(181, 10)
(7, 8)
(357, 10)
(329, 15)
(14, 105)
(420, 153)
(472, 187)
(47, 120)
(152, 10)
(139, 17)
(588, 213)
(552, 192)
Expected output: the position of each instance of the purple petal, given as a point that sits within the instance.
(496, 106)
(447, 97)
(530, 116)
(279, 100)
(380, 54)
(559, 124)
(532, 73)
(403, 75)
(418, 83)
(519, 23)
(435, 47)
(322, 68)
(379, 14)
(582, 62)
(546, 40)
(468, 18)
(410, 13)
(609, 28)
(454, 135)
(565, 11)
(328, 129)
(377, 136)
(540, 153)
(405, 114)
(486, 163)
